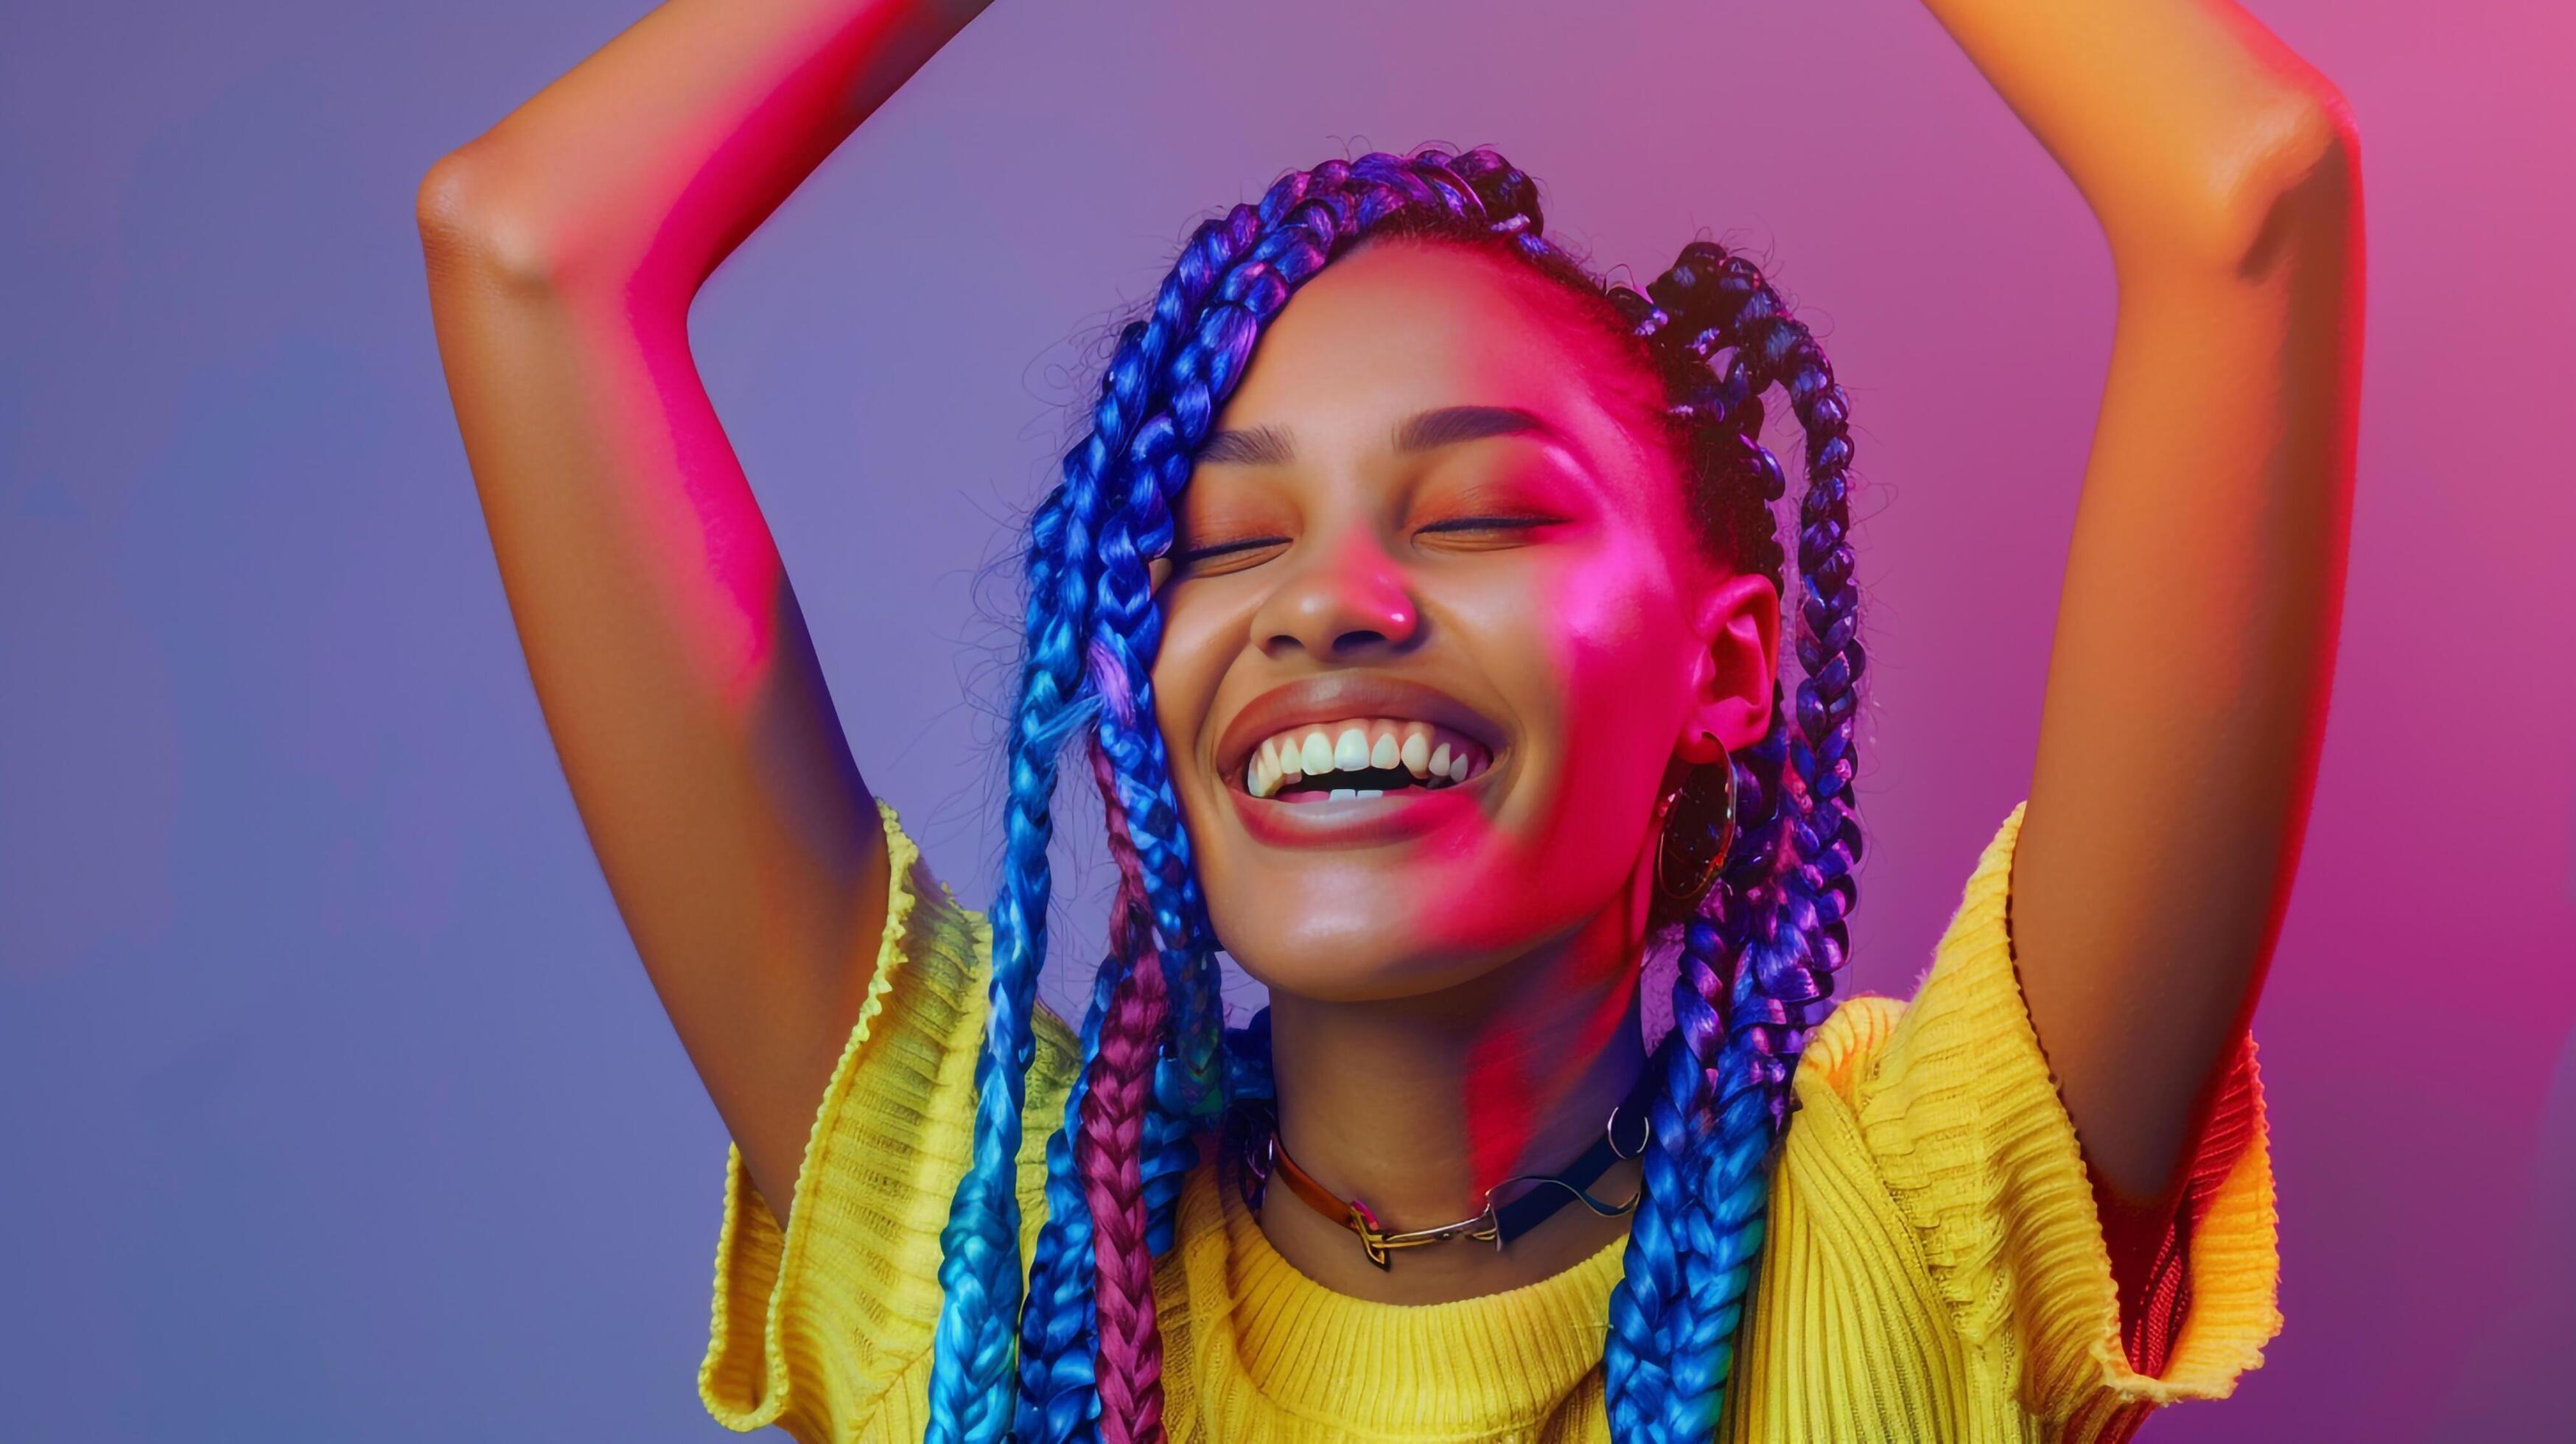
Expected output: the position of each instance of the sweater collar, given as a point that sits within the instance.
(1474, 1366)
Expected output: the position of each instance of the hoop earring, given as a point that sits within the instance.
(1696, 877)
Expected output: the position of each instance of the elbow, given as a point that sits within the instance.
(471, 225)
(2301, 191)
(2291, 184)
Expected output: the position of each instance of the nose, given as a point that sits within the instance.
(1349, 602)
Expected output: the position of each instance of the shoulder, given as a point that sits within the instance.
(931, 931)
(1966, 1007)
(949, 926)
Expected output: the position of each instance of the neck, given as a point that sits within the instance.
(1416, 1106)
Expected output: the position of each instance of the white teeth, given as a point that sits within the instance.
(1342, 794)
(1352, 752)
(1365, 793)
(1317, 754)
(1434, 757)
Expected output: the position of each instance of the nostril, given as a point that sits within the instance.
(1351, 641)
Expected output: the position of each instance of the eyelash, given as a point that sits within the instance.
(1209, 554)
(1491, 523)
(1462, 523)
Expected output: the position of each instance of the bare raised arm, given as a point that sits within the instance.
(2196, 629)
(564, 247)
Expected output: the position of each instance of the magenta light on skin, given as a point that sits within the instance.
(295, 920)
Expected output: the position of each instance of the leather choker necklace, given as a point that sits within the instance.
(1624, 1136)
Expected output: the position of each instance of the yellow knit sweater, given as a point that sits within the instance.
(1934, 1269)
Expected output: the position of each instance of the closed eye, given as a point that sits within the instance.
(1483, 533)
(1491, 523)
(1196, 556)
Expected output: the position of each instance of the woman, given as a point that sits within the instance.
(1415, 603)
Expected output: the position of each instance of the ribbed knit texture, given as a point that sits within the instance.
(1935, 1269)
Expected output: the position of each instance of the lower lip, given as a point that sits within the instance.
(1358, 821)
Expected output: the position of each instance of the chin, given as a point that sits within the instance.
(1347, 956)
(1378, 943)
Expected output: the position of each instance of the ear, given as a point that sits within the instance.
(1738, 622)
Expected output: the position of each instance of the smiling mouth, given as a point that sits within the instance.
(1361, 759)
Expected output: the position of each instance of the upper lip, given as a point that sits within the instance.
(1341, 696)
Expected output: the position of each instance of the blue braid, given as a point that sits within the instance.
(1058, 1382)
(971, 1375)
(979, 1273)
(1652, 1305)
(1058, 1396)
(1129, 629)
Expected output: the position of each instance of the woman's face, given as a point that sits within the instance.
(1435, 632)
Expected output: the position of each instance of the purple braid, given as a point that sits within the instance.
(1783, 899)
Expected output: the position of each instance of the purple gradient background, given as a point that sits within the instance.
(333, 1100)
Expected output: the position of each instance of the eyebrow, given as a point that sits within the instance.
(1423, 431)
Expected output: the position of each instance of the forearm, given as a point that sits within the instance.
(2197, 624)
(645, 165)
(2184, 123)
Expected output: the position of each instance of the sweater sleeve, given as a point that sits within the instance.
(824, 1328)
(1961, 1117)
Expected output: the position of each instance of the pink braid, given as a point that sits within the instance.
(1109, 1153)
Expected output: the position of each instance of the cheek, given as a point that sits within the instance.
(1609, 667)
(1594, 667)
(1189, 666)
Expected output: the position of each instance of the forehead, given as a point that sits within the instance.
(1399, 328)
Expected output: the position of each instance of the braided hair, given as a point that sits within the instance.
(1082, 1359)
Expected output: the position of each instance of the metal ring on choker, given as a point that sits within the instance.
(1623, 1136)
